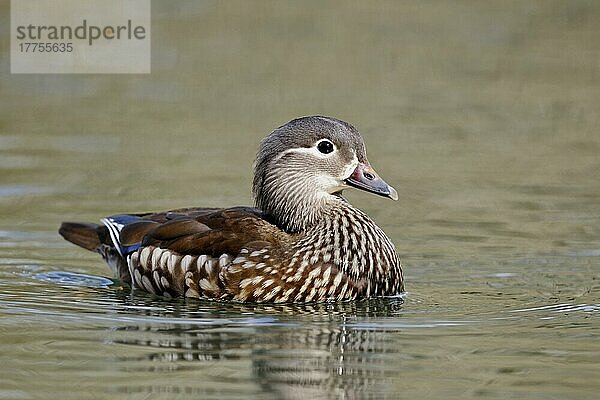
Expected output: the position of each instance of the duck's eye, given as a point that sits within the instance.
(325, 146)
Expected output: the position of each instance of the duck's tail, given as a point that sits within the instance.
(83, 235)
(96, 238)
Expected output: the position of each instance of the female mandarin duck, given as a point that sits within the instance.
(303, 241)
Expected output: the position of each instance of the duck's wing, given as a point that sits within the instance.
(211, 232)
(180, 252)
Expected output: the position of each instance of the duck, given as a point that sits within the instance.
(301, 242)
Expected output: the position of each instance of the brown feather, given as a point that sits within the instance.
(212, 232)
(134, 233)
(84, 235)
(177, 228)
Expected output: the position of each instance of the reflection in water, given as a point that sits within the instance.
(318, 355)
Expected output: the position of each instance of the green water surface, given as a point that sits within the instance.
(485, 116)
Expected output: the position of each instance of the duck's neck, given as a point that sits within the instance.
(350, 240)
(288, 204)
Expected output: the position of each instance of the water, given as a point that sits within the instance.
(485, 118)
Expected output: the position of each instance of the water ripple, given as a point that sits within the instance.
(560, 308)
(72, 279)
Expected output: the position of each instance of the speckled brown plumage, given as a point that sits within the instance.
(305, 243)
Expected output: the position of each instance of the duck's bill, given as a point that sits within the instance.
(365, 178)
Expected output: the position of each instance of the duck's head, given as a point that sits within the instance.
(303, 165)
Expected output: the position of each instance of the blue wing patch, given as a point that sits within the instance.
(115, 225)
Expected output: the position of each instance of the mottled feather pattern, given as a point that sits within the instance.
(164, 272)
(246, 278)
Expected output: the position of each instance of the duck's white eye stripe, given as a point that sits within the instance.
(307, 150)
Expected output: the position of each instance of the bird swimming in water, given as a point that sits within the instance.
(302, 242)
